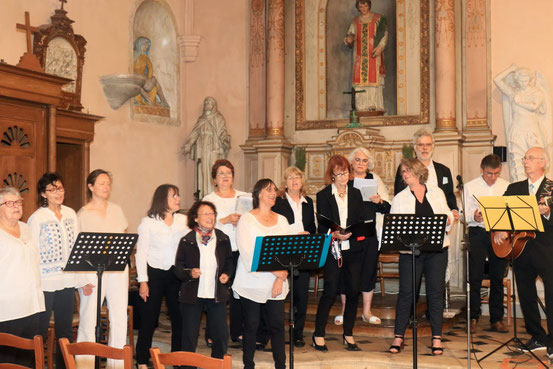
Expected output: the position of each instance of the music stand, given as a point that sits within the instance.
(100, 252)
(299, 251)
(511, 214)
(416, 233)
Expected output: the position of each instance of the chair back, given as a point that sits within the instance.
(69, 351)
(34, 344)
(189, 359)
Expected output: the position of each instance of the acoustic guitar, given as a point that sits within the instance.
(518, 241)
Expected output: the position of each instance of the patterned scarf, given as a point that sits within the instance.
(204, 233)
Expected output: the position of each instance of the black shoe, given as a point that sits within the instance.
(322, 348)
(350, 346)
(208, 342)
(259, 346)
(299, 342)
(550, 352)
(532, 345)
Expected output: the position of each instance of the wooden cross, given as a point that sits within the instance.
(62, 2)
(353, 92)
(28, 30)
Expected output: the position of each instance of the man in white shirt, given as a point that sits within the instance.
(488, 184)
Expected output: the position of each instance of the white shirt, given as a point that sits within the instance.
(342, 203)
(297, 209)
(158, 243)
(208, 267)
(256, 286)
(226, 206)
(478, 187)
(20, 288)
(536, 184)
(54, 239)
(432, 176)
(405, 202)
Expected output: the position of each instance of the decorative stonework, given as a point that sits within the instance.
(445, 23)
(16, 180)
(189, 45)
(15, 136)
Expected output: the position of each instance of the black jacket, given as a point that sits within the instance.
(443, 174)
(373, 208)
(282, 207)
(188, 257)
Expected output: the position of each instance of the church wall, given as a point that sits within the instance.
(142, 156)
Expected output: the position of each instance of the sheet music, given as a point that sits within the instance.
(244, 204)
(368, 187)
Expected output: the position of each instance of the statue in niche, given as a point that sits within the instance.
(208, 142)
(151, 93)
(367, 35)
(526, 114)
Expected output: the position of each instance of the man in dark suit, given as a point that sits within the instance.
(537, 257)
(438, 174)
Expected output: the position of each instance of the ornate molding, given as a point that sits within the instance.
(445, 23)
(189, 45)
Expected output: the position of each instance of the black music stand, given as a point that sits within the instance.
(416, 233)
(293, 252)
(497, 223)
(100, 252)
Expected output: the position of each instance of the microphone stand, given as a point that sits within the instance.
(466, 244)
(197, 192)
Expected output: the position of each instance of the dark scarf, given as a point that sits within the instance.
(204, 233)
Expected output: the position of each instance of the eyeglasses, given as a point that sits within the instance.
(174, 196)
(424, 145)
(206, 214)
(11, 204)
(224, 174)
(343, 174)
(359, 160)
(290, 178)
(530, 158)
(56, 189)
(492, 174)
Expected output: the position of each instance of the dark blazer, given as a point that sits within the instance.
(373, 208)
(282, 207)
(443, 174)
(521, 188)
(357, 211)
(188, 257)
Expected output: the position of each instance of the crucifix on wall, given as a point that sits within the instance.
(29, 60)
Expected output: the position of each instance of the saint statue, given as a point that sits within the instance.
(526, 114)
(367, 35)
(151, 93)
(208, 142)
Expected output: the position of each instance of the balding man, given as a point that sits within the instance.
(537, 258)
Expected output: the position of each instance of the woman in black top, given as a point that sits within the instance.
(204, 265)
(298, 209)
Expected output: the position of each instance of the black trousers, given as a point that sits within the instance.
(351, 270)
(301, 295)
(480, 249)
(161, 283)
(236, 320)
(370, 264)
(272, 312)
(433, 265)
(61, 303)
(216, 321)
(26, 327)
(536, 260)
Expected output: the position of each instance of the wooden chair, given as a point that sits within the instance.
(188, 358)
(381, 274)
(34, 344)
(69, 351)
(507, 300)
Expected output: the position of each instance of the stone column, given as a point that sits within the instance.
(445, 65)
(275, 69)
(257, 69)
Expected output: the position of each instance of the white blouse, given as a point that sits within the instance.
(208, 267)
(157, 243)
(226, 206)
(54, 239)
(20, 288)
(256, 286)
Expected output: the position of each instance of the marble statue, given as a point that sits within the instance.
(209, 141)
(367, 35)
(526, 114)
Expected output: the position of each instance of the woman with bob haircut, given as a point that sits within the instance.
(261, 293)
(204, 266)
(342, 204)
(159, 235)
(419, 199)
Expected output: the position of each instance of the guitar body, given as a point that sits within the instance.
(514, 244)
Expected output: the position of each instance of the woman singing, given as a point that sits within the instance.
(261, 293)
(204, 266)
(419, 199)
(159, 236)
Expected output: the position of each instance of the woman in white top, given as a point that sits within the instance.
(101, 215)
(21, 298)
(159, 236)
(225, 198)
(54, 228)
(261, 292)
(422, 200)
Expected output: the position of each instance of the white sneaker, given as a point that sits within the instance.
(339, 320)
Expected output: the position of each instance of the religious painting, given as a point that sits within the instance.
(61, 60)
(371, 55)
(155, 64)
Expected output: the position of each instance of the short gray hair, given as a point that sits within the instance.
(421, 133)
(9, 191)
(366, 152)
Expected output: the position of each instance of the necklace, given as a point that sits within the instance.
(342, 194)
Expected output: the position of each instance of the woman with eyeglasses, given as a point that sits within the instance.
(21, 297)
(103, 216)
(204, 267)
(225, 198)
(54, 229)
(342, 204)
(297, 207)
(159, 235)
